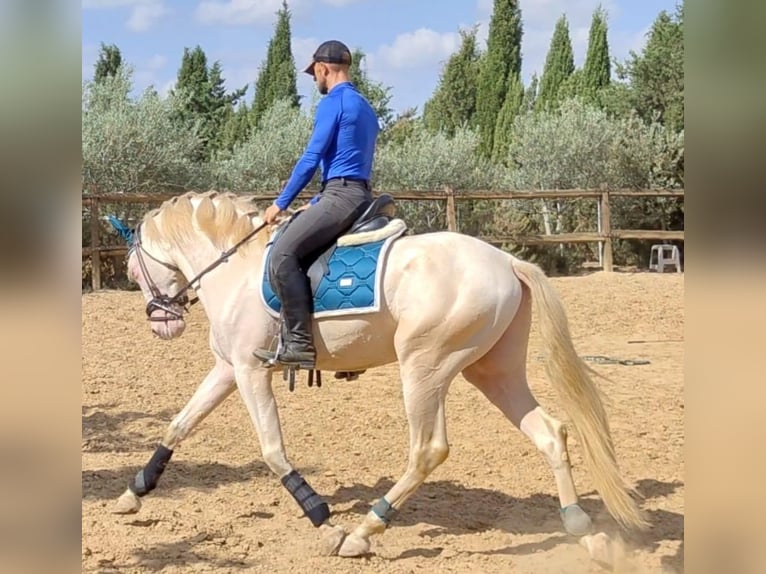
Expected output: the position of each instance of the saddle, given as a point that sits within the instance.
(368, 227)
(377, 216)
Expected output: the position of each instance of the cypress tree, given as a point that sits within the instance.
(596, 71)
(277, 77)
(559, 65)
(109, 61)
(501, 62)
(453, 103)
(236, 127)
(511, 108)
(530, 95)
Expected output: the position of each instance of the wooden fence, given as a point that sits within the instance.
(605, 236)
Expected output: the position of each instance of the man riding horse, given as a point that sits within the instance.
(343, 143)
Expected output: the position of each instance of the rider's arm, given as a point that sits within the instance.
(324, 129)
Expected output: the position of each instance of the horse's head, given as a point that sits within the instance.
(161, 282)
(157, 276)
(184, 233)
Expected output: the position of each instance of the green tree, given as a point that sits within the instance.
(572, 87)
(501, 62)
(267, 156)
(221, 109)
(276, 79)
(559, 65)
(235, 127)
(205, 100)
(192, 85)
(531, 94)
(579, 145)
(109, 61)
(596, 72)
(656, 75)
(376, 93)
(453, 104)
(505, 120)
(137, 144)
(402, 128)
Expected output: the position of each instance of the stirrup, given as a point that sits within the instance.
(272, 359)
(267, 358)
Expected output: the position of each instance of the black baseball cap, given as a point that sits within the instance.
(331, 52)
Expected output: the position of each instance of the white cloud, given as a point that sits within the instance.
(143, 14)
(238, 12)
(417, 49)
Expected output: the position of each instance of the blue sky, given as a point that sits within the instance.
(407, 41)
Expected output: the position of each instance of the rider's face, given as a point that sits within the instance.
(320, 77)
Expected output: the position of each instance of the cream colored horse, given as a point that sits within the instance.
(451, 304)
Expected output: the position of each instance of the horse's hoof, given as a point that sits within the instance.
(602, 550)
(354, 546)
(332, 538)
(128, 503)
(576, 520)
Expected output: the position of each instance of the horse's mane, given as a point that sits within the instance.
(224, 218)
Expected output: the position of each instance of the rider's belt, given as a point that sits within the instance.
(346, 180)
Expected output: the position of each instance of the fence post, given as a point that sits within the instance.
(606, 229)
(95, 254)
(451, 211)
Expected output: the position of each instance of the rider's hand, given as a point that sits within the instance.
(271, 213)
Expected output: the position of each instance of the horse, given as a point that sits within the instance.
(444, 304)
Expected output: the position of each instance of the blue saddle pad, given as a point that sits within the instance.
(351, 284)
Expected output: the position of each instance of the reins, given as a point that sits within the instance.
(165, 302)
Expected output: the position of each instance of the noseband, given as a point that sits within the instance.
(163, 302)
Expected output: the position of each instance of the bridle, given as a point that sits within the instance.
(163, 302)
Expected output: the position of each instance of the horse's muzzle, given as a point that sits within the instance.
(173, 310)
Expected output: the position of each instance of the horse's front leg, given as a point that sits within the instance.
(216, 386)
(257, 393)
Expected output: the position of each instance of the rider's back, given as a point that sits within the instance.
(351, 152)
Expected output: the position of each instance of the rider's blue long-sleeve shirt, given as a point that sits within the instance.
(343, 142)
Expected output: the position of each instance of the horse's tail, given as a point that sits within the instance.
(581, 398)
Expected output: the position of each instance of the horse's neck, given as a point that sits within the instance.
(225, 279)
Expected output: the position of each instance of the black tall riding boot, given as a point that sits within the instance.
(298, 349)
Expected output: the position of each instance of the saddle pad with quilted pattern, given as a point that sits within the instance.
(350, 286)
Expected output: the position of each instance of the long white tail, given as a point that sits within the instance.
(581, 398)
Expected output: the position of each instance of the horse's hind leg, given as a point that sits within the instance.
(425, 389)
(501, 376)
(216, 386)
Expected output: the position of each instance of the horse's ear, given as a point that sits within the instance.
(125, 232)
